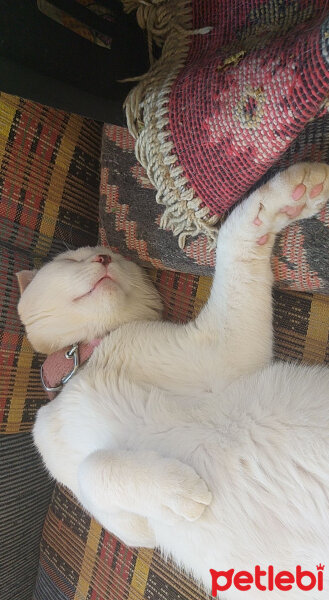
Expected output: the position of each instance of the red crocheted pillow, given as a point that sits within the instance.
(240, 91)
(130, 217)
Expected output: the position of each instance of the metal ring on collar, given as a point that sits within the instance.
(72, 353)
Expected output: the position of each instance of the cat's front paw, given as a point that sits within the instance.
(296, 193)
(183, 493)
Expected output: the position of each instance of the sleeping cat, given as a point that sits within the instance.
(189, 437)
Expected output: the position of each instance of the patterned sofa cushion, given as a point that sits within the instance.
(239, 91)
(49, 173)
(130, 218)
(236, 83)
(49, 163)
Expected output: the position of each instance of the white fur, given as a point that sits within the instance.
(188, 436)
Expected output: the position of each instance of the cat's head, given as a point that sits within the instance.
(82, 295)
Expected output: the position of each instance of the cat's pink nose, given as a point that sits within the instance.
(105, 259)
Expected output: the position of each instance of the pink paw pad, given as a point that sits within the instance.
(257, 221)
(316, 190)
(299, 191)
(292, 211)
(262, 240)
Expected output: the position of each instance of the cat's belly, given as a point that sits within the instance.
(200, 548)
(267, 467)
(261, 446)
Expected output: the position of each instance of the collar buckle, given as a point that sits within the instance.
(73, 354)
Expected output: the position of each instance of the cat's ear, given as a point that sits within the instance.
(24, 278)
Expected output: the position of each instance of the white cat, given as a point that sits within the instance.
(188, 437)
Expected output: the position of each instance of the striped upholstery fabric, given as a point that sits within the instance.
(49, 173)
(81, 561)
(49, 198)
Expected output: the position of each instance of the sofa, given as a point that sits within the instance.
(54, 168)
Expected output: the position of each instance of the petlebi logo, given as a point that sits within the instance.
(267, 579)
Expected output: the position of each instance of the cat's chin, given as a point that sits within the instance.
(106, 283)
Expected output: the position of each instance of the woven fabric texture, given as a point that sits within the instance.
(239, 92)
(48, 183)
(49, 177)
(81, 561)
(130, 217)
(25, 494)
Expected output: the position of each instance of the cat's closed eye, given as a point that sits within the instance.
(71, 259)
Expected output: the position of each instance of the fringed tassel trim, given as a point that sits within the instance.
(168, 23)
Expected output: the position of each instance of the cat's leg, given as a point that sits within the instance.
(142, 483)
(62, 461)
(239, 310)
(52, 438)
(132, 529)
(121, 489)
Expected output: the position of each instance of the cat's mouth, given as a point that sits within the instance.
(99, 282)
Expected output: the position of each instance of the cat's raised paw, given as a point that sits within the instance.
(296, 193)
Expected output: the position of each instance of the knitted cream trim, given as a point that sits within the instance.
(168, 23)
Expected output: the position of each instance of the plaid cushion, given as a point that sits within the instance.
(80, 560)
(48, 184)
(49, 170)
